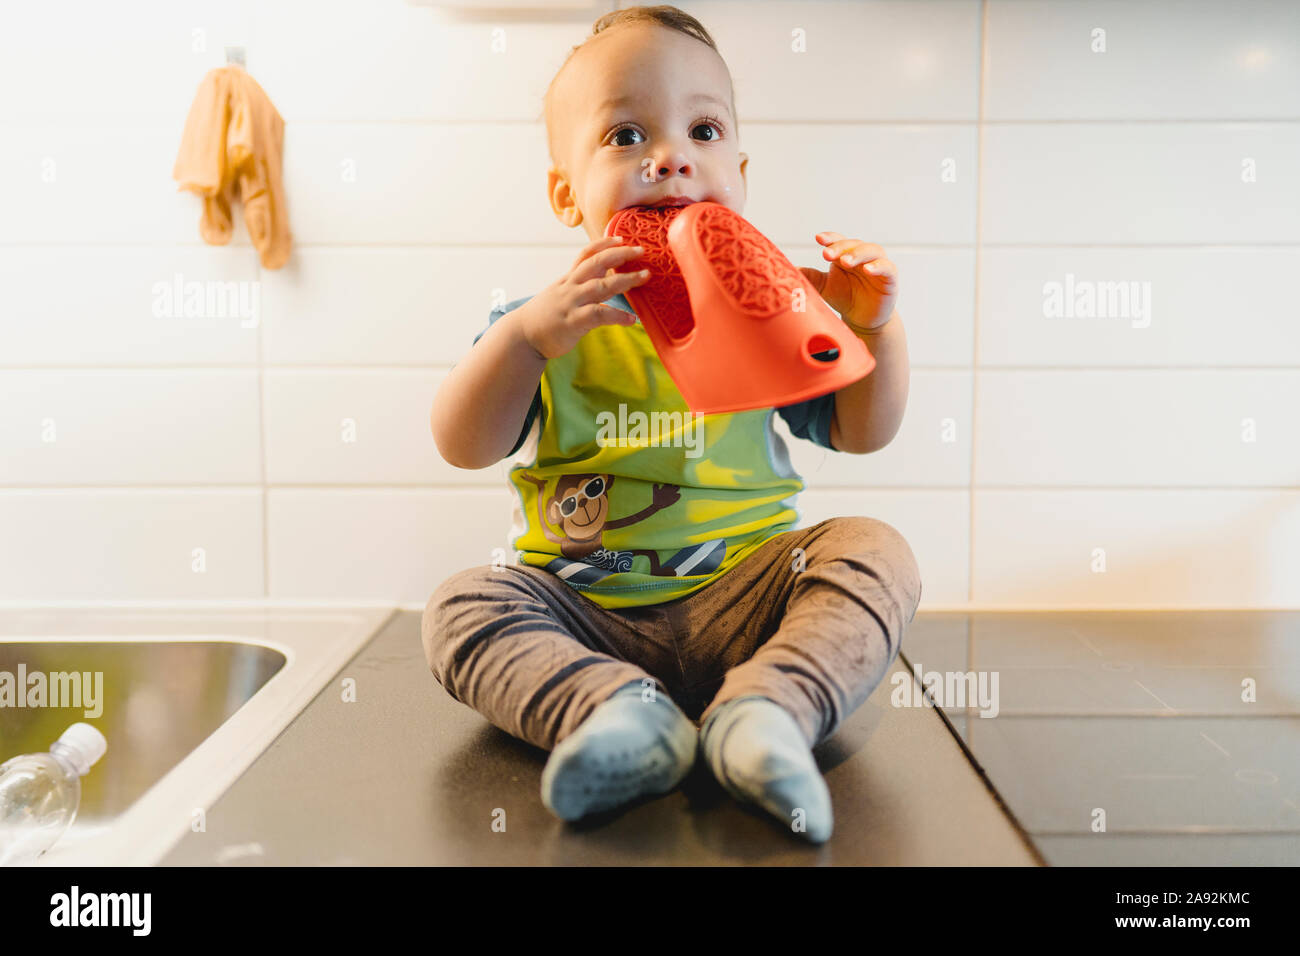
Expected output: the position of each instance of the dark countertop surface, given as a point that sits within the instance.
(405, 775)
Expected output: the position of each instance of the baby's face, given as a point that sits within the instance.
(641, 115)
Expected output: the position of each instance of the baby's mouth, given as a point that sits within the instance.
(666, 203)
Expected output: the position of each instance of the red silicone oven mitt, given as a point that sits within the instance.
(736, 325)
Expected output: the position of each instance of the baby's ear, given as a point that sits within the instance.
(561, 198)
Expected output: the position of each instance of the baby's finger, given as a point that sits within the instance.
(840, 246)
(862, 252)
(591, 248)
(596, 314)
(881, 267)
(606, 259)
(608, 286)
(815, 276)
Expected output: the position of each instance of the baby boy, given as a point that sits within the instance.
(659, 579)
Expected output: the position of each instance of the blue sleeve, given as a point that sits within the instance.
(536, 407)
(811, 419)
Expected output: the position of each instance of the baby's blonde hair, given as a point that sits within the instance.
(664, 15)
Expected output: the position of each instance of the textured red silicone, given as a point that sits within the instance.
(759, 279)
(662, 298)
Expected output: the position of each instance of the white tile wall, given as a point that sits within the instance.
(418, 305)
(99, 544)
(1134, 182)
(94, 305)
(1148, 548)
(1190, 60)
(1142, 454)
(382, 543)
(130, 426)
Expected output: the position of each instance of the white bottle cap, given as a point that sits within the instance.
(82, 744)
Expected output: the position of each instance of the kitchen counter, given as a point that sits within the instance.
(404, 775)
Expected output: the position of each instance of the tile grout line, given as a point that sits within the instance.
(310, 367)
(426, 485)
(976, 308)
(262, 439)
(81, 123)
(558, 245)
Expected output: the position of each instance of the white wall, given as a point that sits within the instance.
(415, 168)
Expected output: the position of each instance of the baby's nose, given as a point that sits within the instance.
(683, 168)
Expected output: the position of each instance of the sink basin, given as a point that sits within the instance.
(157, 701)
(187, 700)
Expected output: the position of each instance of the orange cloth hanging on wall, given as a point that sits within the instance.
(231, 149)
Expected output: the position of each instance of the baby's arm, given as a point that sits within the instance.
(481, 404)
(862, 286)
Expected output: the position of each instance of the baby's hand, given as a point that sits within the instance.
(862, 285)
(566, 310)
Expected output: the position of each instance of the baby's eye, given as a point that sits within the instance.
(626, 129)
(712, 128)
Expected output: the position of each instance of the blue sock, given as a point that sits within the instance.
(625, 748)
(759, 755)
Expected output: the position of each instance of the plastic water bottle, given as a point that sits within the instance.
(40, 793)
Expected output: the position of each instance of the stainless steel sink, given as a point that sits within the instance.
(158, 700)
(187, 699)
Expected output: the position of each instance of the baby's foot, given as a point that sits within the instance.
(759, 755)
(625, 748)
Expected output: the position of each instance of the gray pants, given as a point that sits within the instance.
(816, 632)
